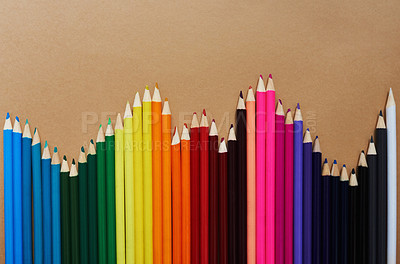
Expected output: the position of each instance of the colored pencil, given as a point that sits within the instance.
(129, 190)
(46, 204)
(326, 213)
(83, 208)
(270, 173)
(213, 191)
(8, 199)
(110, 193)
(92, 202)
(232, 197)
(344, 216)
(372, 159)
(27, 195)
(74, 215)
(392, 178)
(157, 173)
(185, 163)
(176, 198)
(101, 196)
(194, 191)
(17, 189)
(381, 149)
(363, 200)
(289, 187)
(37, 199)
(223, 202)
(316, 201)
(307, 198)
(119, 191)
(147, 177)
(242, 178)
(353, 218)
(334, 236)
(251, 176)
(65, 212)
(204, 179)
(280, 183)
(166, 182)
(298, 187)
(260, 172)
(55, 208)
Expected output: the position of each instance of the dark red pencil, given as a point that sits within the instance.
(213, 225)
(223, 202)
(194, 191)
(204, 181)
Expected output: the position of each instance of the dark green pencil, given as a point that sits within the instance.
(83, 207)
(74, 199)
(92, 203)
(101, 196)
(65, 212)
(110, 193)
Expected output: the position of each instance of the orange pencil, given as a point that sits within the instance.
(185, 163)
(176, 198)
(157, 180)
(166, 183)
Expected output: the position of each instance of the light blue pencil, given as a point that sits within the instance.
(37, 199)
(17, 190)
(8, 199)
(392, 174)
(27, 194)
(55, 208)
(46, 204)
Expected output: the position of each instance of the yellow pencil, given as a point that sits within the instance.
(119, 190)
(129, 198)
(138, 177)
(147, 178)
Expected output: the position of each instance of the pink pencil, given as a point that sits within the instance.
(270, 176)
(260, 172)
(251, 176)
(280, 184)
(289, 188)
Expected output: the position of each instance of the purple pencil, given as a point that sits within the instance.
(280, 184)
(298, 188)
(289, 188)
(307, 197)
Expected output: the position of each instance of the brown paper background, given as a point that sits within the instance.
(61, 61)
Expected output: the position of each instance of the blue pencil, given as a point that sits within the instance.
(298, 188)
(17, 190)
(8, 199)
(326, 213)
(316, 201)
(27, 194)
(335, 188)
(55, 208)
(37, 199)
(46, 203)
(307, 198)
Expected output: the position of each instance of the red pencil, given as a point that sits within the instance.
(223, 202)
(213, 228)
(204, 150)
(194, 191)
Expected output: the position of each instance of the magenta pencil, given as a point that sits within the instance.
(260, 172)
(270, 176)
(289, 188)
(280, 184)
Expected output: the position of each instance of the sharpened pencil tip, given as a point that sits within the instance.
(8, 115)
(298, 105)
(231, 125)
(372, 139)
(65, 158)
(213, 121)
(204, 112)
(109, 120)
(270, 76)
(334, 162)
(222, 139)
(166, 99)
(91, 141)
(156, 85)
(26, 122)
(17, 118)
(100, 126)
(308, 129)
(73, 161)
(82, 149)
(250, 87)
(147, 87)
(35, 130)
(288, 111)
(261, 77)
(344, 165)
(353, 171)
(380, 113)
(316, 137)
(241, 94)
(362, 151)
(45, 144)
(55, 149)
(280, 101)
(326, 160)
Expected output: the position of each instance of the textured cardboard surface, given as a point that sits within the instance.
(68, 65)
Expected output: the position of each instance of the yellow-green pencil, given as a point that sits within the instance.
(147, 178)
(138, 178)
(119, 190)
(129, 198)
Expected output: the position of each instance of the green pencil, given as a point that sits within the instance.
(74, 198)
(65, 212)
(101, 196)
(92, 203)
(110, 193)
(83, 207)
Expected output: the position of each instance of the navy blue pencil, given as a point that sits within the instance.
(307, 197)
(326, 213)
(353, 219)
(344, 216)
(316, 201)
(335, 182)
